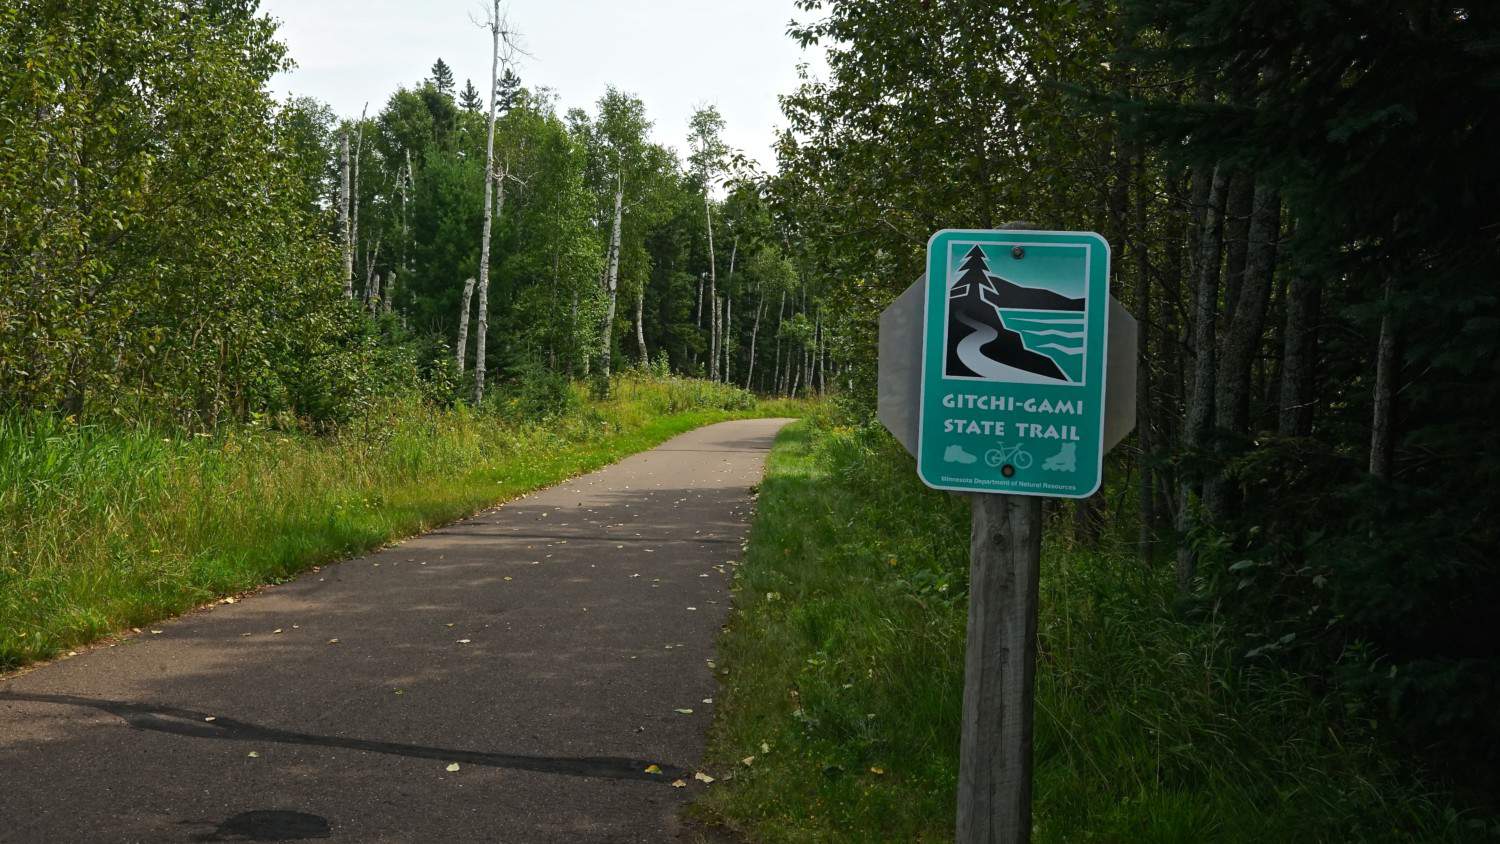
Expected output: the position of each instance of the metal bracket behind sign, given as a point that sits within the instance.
(900, 387)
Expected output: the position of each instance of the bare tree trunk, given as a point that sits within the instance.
(1143, 415)
(776, 366)
(1237, 212)
(344, 231)
(573, 330)
(640, 331)
(1299, 346)
(1242, 336)
(461, 348)
(728, 306)
(760, 306)
(728, 333)
(821, 356)
(713, 296)
(1200, 404)
(1382, 429)
(372, 278)
(612, 278)
(359, 145)
(484, 237)
(406, 187)
(388, 295)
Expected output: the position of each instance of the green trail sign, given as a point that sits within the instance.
(1015, 332)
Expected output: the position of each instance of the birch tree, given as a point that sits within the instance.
(503, 50)
(706, 128)
(345, 234)
(461, 348)
(612, 278)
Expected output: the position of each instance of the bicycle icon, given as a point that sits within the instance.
(1013, 456)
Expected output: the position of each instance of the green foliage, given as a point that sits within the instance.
(104, 528)
(1366, 120)
(1364, 131)
(162, 255)
(843, 676)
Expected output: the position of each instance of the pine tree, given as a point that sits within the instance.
(442, 77)
(507, 88)
(469, 98)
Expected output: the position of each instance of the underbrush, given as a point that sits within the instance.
(106, 528)
(843, 674)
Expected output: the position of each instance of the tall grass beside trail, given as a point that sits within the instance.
(843, 678)
(103, 529)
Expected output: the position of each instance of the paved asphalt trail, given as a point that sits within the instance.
(543, 645)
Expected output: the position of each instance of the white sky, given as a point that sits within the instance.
(673, 54)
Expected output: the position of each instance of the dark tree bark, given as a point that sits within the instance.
(1143, 415)
(1382, 425)
(1299, 351)
(1199, 418)
(1242, 338)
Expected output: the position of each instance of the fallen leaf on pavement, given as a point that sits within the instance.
(653, 769)
(452, 767)
(748, 761)
(333, 641)
(683, 711)
(702, 777)
(464, 641)
(253, 755)
(679, 784)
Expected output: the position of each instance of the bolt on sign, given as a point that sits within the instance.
(1015, 334)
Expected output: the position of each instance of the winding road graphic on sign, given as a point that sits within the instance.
(969, 352)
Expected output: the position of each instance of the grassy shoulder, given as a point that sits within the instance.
(102, 530)
(843, 677)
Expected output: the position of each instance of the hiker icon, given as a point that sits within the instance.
(1063, 461)
(956, 454)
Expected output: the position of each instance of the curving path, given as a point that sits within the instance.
(544, 647)
(969, 351)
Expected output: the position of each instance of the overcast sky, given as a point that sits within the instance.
(673, 54)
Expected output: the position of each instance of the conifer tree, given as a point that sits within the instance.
(442, 77)
(469, 98)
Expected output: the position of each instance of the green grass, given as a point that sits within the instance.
(842, 674)
(103, 529)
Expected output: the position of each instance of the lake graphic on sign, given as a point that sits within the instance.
(1002, 330)
(1057, 334)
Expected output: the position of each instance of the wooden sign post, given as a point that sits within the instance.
(1004, 398)
(994, 762)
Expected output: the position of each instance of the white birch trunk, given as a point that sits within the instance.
(728, 307)
(484, 237)
(359, 143)
(728, 332)
(780, 321)
(388, 295)
(640, 331)
(754, 330)
(612, 279)
(713, 337)
(461, 348)
(344, 232)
